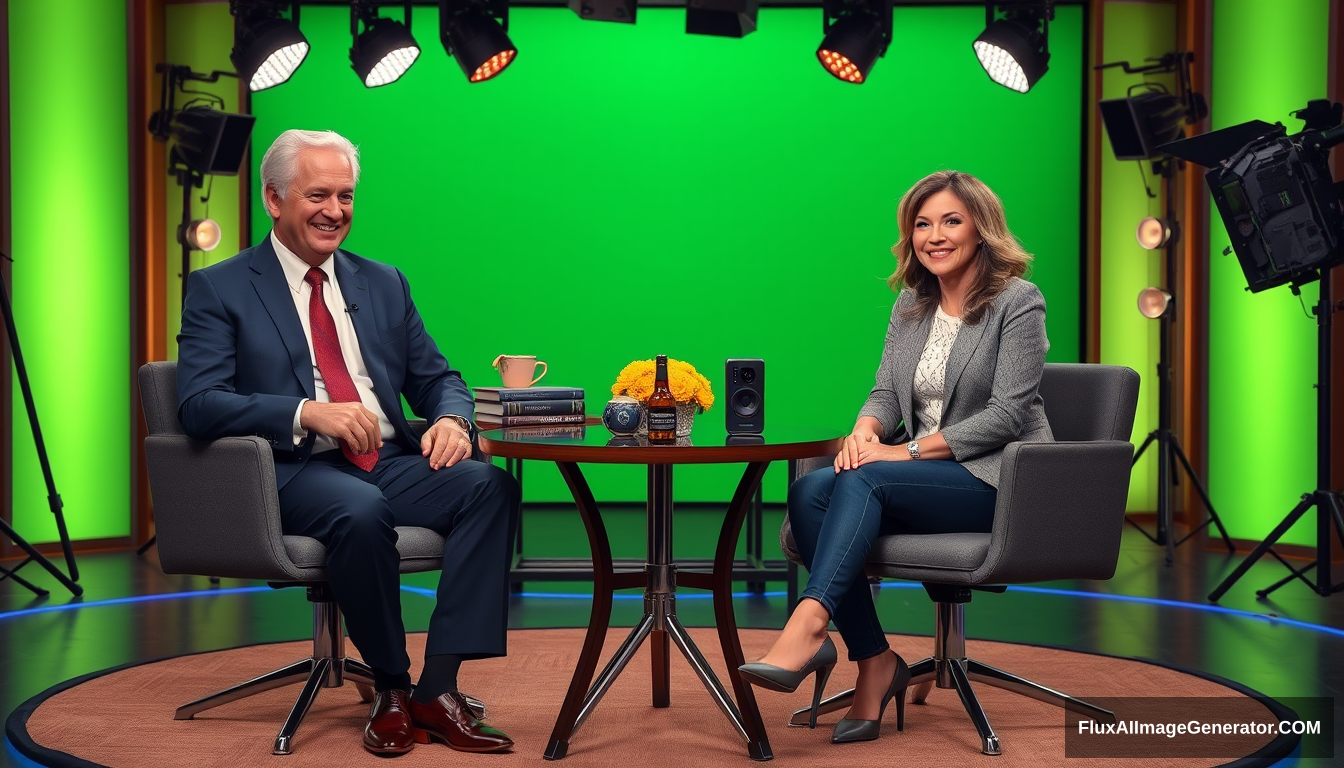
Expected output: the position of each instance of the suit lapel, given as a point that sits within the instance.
(355, 289)
(908, 349)
(968, 338)
(269, 282)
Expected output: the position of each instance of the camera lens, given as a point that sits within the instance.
(748, 375)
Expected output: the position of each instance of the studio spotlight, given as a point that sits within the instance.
(209, 141)
(605, 10)
(202, 235)
(1138, 125)
(475, 33)
(1153, 233)
(721, 18)
(1154, 303)
(1141, 123)
(857, 34)
(1013, 49)
(385, 49)
(267, 48)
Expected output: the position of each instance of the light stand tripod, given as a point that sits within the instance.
(53, 498)
(1168, 445)
(1328, 504)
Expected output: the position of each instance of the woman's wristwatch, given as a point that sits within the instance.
(913, 448)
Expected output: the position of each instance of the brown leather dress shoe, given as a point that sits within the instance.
(451, 721)
(389, 731)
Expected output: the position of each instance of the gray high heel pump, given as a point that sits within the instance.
(774, 678)
(847, 730)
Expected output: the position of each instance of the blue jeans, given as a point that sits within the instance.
(836, 519)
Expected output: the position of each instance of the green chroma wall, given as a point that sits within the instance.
(71, 279)
(1132, 32)
(623, 191)
(200, 35)
(1269, 59)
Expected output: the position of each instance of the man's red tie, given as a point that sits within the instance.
(327, 349)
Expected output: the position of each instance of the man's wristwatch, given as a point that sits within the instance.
(913, 448)
(462, 423)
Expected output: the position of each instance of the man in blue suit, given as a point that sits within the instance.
(312, 348)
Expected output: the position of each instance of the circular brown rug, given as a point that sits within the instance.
(124, 718)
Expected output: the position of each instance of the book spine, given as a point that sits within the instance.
(538, 394)
(522, 421)
(542, 433)
(542, 407)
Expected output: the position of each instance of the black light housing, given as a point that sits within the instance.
(721, 18)
(622, 11)
(267, 48)
(1014, 50)
(476, 34)
(385, 50)
(857, 34)
(209, 141)
(1138, 125)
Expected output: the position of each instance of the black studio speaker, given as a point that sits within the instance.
(745, 413)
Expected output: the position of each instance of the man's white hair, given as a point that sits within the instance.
(280, 164)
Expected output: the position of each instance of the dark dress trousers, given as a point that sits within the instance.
(243, 368)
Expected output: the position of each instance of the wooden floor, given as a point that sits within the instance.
(1290, 645)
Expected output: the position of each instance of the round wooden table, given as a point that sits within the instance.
(708, 444)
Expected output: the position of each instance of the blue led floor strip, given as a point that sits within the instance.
(135, 599)
(700, 596)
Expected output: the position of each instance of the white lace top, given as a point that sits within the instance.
(931, 373)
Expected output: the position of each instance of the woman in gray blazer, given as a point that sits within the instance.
(958, 381)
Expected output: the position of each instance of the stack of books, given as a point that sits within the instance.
(528, 406)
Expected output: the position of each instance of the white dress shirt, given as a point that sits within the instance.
(295, 269)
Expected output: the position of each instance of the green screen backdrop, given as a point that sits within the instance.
(1269, 59)
(71, 278)
(623, 191)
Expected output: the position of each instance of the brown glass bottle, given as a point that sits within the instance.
(662, 408)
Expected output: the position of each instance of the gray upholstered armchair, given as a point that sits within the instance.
(216, 513)
(1060, 511)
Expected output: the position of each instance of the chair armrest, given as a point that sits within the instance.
(1060, 511)
(216, 508)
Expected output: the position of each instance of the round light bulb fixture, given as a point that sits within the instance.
(267, 52)
(203, 235)
(383, 52)
(1152, 233)
(851, 47)
(479, 44)
(1013, 54)
(1154, 303)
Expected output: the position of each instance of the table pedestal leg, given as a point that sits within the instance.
(659, 622)
(604, 584)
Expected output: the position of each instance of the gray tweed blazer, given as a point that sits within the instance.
(993, 372)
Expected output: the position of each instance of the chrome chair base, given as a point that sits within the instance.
(949, 668)
(328, 667)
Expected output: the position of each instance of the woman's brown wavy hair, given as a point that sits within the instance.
(998, 259)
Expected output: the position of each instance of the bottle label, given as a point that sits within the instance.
(664, 421)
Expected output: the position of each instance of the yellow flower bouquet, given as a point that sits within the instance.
(687, 385)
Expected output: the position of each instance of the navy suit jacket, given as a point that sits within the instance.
(244, 365)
